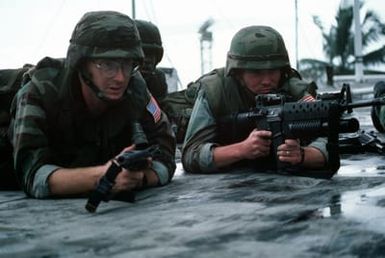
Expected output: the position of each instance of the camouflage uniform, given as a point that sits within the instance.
(221, 95)
(378, 113)
(53, 128)
(153, 52)
(10, 82)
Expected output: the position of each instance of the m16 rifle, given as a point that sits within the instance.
(362, 141)
(327, 116)
(130, 160)
(133, 160)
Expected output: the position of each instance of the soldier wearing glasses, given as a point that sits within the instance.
(76, 114)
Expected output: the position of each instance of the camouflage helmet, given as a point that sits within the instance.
(257, 47)
(151, 39)
(104, 34)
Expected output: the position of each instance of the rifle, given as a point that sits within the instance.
(327, 116)
(130, 160)
(362, 141)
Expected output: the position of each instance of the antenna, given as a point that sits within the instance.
(206, 41)
(133, 9)
(296, 35)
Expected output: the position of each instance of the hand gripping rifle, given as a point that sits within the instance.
(325, 117)
(130, 160)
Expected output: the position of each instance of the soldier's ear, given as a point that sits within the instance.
(237, 74)
(83, 68)
(83, 71)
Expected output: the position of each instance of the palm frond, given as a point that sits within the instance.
(338, 42)
(375, 57)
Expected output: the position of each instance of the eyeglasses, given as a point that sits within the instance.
(111, 67)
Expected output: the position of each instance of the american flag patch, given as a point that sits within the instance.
(307, 98)
(154, 109)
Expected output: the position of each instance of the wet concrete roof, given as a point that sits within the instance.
(239, 214)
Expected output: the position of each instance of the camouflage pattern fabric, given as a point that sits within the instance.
(257, 47)
(203, 132)
(95, 37)
(252, 47)
(53, 128)
(151, 39)
(153, 51)
(378, 113)
(10, 83)
(178, 107)
(156, 84)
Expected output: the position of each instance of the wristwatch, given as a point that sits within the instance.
(302, 150)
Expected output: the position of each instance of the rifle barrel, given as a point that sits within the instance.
(365, 103)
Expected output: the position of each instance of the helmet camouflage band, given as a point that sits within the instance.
(104, 34)
(257, 47)
(151, 39)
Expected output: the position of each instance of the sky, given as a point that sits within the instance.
(33, 29)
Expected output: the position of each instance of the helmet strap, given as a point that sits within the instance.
(286, 73)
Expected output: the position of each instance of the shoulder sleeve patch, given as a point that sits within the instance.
(154, 109)
(307, 98)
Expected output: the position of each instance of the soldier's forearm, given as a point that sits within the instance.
(75, 181)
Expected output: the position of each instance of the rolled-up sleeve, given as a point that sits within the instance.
(30, 142)
(160, 133)
(40, 187)
(320, 144)
(197, 153)
(161, 171)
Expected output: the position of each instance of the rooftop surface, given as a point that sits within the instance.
(238, 214)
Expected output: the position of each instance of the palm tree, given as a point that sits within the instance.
(338, 45)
